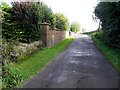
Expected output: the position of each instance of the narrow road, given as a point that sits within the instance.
(81, 65)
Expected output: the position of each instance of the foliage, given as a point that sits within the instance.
(1, 16)
(48, 15)
(22, 20)
(14, 51)
(61, 21)
(7, 23)
(6, 49)
(108, 13)
(11, 76)
(24, 50)
(111, 54)
(75, 27)
(35, 63)
(5, 9)
(29, 16)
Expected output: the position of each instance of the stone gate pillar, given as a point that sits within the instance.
(44, 33)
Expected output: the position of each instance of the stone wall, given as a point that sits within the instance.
(51, 37)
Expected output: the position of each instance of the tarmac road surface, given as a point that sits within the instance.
(81, 65)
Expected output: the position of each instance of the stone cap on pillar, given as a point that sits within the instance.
(45, 23)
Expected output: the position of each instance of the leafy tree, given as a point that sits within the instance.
(48, 15)
(109, 15)
(29, 15)
(61, 21)
(74, 27)
(22, 20)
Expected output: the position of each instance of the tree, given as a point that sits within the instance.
(61, 21)
(23, 19)
(109, 15)
(30, 15)
(75, 27)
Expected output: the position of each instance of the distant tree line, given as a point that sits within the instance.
(109, 15)
(22, 20)
(75, 27)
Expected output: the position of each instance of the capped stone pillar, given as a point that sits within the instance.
(44, 33)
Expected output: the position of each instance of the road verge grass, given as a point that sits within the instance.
(112, 55)
(26, 69)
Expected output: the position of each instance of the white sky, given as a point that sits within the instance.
(75, 10)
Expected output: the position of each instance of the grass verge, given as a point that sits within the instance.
(112, 55)
(26, 69)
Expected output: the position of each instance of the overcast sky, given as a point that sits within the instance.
(75, 10)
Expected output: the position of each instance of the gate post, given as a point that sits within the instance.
(44, 33)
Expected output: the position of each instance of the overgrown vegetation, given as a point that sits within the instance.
(15, 73)
(109, 15)
(112, 55)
